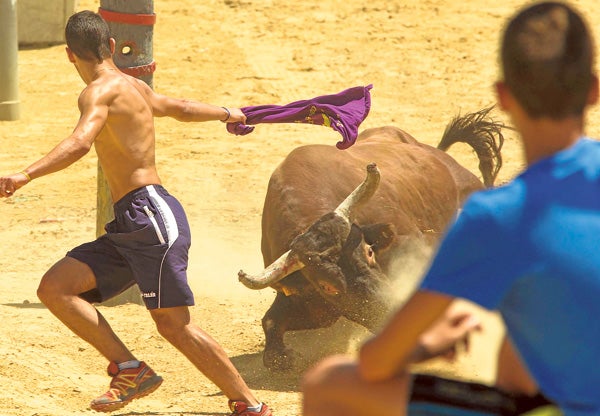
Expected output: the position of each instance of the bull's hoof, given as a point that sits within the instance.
(279, 361)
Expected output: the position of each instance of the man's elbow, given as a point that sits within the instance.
(81, 146)
(180, 110)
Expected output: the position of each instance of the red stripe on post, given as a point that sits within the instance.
(138, 71)
(128, 18)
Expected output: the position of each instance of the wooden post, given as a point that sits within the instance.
(9, 50)
(131, 24)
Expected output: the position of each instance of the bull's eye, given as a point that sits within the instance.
(370, 256)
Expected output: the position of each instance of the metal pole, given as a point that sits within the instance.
(9, 48)
(131, 24)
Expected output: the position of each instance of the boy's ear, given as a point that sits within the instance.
(593, 93)
(502, 95)
(70, 54)
(112, 42)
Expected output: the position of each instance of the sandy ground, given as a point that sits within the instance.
(428, 60)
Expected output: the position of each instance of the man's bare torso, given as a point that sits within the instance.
(125, 146)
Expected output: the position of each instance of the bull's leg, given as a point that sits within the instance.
(292, 313)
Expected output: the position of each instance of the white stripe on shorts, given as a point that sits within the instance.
(166, 214)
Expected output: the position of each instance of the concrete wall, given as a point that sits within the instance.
(42, 22)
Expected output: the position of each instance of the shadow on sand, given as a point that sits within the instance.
(26, 305)
(309, 347)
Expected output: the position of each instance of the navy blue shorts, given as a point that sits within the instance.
(147, 243)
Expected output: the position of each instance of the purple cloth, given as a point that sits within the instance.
(343, 112)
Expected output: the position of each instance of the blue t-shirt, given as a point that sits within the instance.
(531, 250)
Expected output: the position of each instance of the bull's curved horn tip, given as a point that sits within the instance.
(241, 274)
(372, 167)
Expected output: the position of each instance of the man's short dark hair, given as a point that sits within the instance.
(88, 36)
(547, 59)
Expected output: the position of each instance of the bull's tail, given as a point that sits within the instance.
(484, 135)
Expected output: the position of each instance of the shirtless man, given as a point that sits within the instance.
(147, 243)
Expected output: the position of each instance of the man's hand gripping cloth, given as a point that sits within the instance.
(343, 112)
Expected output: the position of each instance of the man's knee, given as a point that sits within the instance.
(171, 322)
(50, 286)
(68, 277)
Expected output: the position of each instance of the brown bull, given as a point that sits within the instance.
(327, 244)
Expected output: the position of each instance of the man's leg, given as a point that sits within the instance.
(59, 290)
(334, 388)
(175, 325)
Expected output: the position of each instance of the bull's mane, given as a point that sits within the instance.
(483, 134)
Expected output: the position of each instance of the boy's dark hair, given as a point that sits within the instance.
(87, 35)
(547, 60)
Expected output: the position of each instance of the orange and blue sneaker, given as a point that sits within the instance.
(241, 408)
(126, 385)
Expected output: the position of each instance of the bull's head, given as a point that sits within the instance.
(332, 248)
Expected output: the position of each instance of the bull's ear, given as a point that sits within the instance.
(379, 236)
(355, 237)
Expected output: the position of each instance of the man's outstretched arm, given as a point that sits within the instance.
(94, 113)
(189, 110)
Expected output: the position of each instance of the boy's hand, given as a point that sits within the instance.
(236, 116)
(448, 334)
(9, 184)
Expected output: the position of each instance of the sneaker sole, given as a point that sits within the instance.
(111, 407)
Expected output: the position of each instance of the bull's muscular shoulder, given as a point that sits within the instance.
(308, 163)
(387, 133)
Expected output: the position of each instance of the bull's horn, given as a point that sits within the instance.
(361, 194)
(279, 269)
